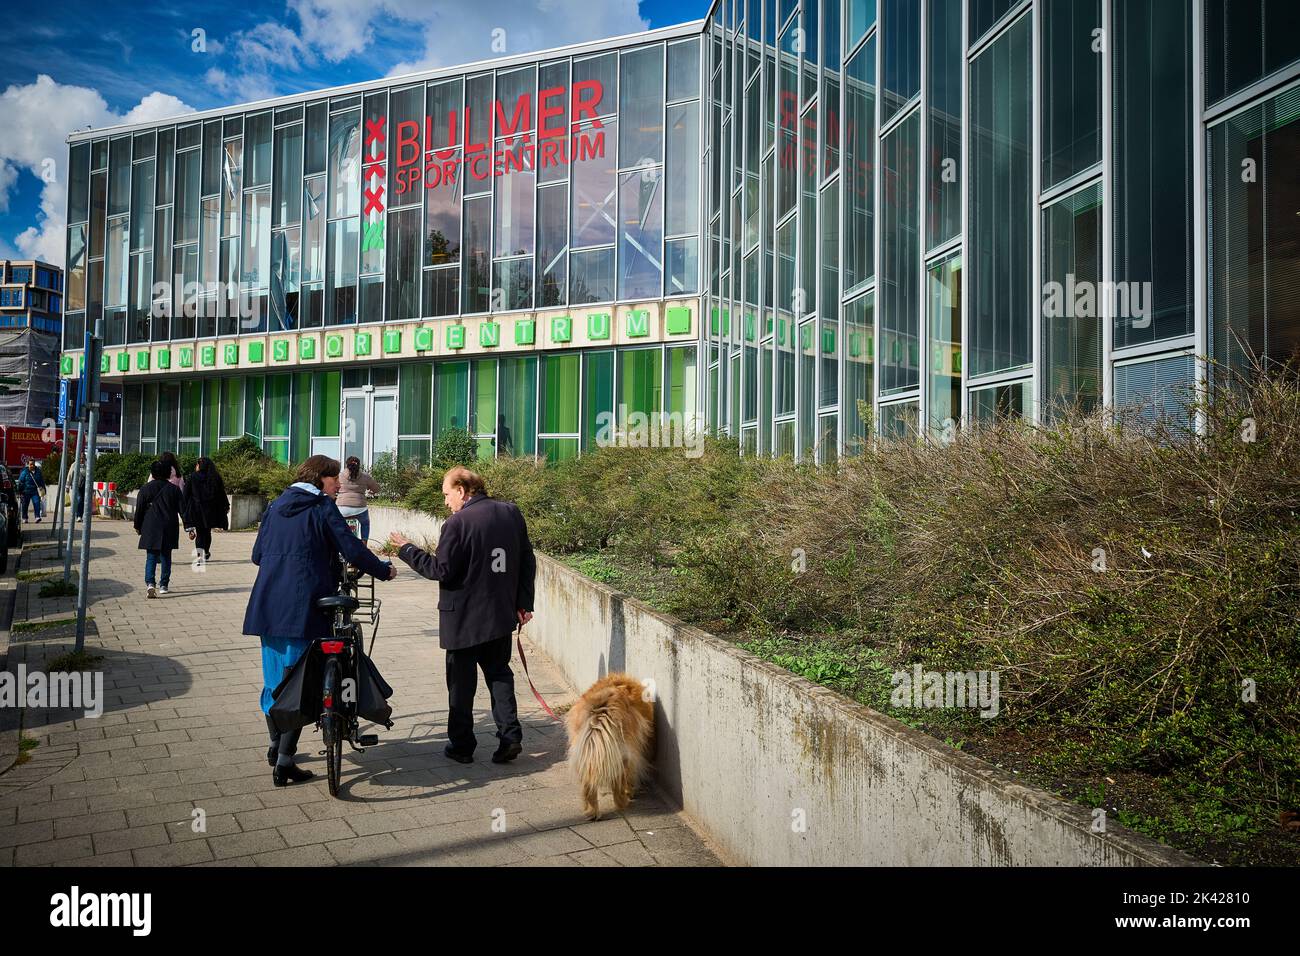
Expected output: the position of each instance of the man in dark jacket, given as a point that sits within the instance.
(157, 516)
(484, 567)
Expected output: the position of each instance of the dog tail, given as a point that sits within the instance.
(596, 750)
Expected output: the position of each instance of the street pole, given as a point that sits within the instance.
(63, 474)
(88, 496)
(72, 506)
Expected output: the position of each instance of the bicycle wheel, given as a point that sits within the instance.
(333, 732)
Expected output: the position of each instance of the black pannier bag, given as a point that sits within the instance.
(298, 698)
(372, 693)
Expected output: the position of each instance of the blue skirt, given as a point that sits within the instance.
(279, 655)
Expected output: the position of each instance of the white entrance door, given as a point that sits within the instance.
(369, 423)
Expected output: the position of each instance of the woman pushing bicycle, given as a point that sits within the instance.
(300, 535)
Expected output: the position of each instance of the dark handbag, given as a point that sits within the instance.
(298, 696)
(372, 692)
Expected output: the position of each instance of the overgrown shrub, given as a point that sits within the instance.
(455, 446)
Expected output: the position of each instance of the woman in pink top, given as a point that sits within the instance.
(351, 500)
(169, 459)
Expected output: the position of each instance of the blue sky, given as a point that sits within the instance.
(78, 63)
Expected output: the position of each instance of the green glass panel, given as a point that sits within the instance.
(253, 390)
(486, 449)
(279, 450)
(191, 408)
(415, 398)
(327, 399)
(681, 381)
(277, 408)
(598, 394)
(131, 400)
(452, 382)
(300, 417)
(168, 401)
(558, 449)
(483, 414)
(232, 400)
(414, 450)
(641, 381)
(560, 393)
(149, 411)
(517, 416)
(211, 411)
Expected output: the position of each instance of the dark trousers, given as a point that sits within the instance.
(203, 540)
(462, 681)
(284, 745)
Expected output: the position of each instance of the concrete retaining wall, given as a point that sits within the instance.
(779, 771)
(245, 510)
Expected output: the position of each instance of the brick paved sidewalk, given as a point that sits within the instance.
(181, 730)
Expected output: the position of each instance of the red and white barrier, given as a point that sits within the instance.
(105, 496)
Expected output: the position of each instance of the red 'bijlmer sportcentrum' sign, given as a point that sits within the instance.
(552, 144)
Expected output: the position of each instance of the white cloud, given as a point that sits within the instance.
(37, 119)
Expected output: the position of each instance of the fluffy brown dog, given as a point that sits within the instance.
(611, 738)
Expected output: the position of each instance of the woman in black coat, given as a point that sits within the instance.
(204, 505)
(157, 511)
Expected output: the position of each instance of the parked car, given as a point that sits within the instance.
(9, 492)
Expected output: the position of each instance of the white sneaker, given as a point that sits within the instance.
(151, 591)
(162, 590)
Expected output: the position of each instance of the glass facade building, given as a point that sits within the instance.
(759, 222)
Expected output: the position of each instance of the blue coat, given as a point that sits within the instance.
(295, 553)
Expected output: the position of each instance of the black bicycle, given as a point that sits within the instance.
(351, 688)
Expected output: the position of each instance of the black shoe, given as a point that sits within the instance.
(291, 773)
(457, 755)
(507, 752)
(271, 754)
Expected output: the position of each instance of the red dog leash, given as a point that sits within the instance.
(519, 642)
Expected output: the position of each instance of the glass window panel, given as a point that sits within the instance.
(684, 69)
(1246, 40)
(861, 15)
(341, 272)
(594, 184)
(277, 406)
(168, 404)
(640, 381)
(681, 267)
(285, 272)
(859, 370)
(552, 121)
(98, 208)
(560, 393)
(591, 276)
(76, 267)
(552, 245)
(442, 213)
(191, 407)
(166, 157)
(300, 417)
(142, 205)
(345, 164)
(257, 240)
(859, 167)
(1010, 402)
(943, 375)
(232, 406)
(119, 176)
(209, 248)
(1255, 230)
(900, 421)
(1001, 204)
(900, 55)
(682, 170)
(79, 183)
(415, 398)
(513, 210)
(943, 130)
(404, 264)
(257, 146)
(371, 299)
(315, 151)
(597, 397)
(641, 108)
(232, 182)
(681, 383)
(1153, 169)
(640, 234)
(187, 196)
(595, 86)
(1071, 319)
(286, 197)
(512, 282)
(313, 218)
(441, 124)
(211, 157)
(985, 13)
(115, 263)
(405, 118)
(476, 285)
(254, 388)
(451, 380)
(1071, 95)
(483, 393)
(441, 291)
